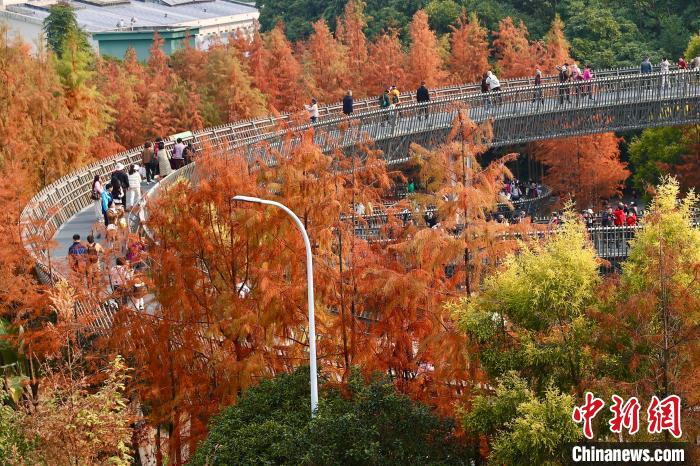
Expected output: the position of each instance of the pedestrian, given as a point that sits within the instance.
(120, 183)
(313, 110)
(188, 153)
(119, 276)
(76, 254)
(395, 95)
(347, 103)
(106, 200)
(682, 65)
(607, 218)
(631, 218)
(163, 161)
(646, 67)
(178, 160)
(384, 103)
(576, 78)
(96, 195)
(619, 215)
(538, 96)
(494, 86)
(423, 97)
(134, 186)
(93, 253)
(588, 216)
(133, 252)
(564, 77)
(665, 67)
(587, 77)
(148, 160)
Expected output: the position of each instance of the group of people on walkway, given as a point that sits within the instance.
(119, 262)
(490, 84)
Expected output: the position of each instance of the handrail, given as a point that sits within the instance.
(62, 192)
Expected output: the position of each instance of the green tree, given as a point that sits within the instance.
(654, 147)
(530, 317)
(365, 423)
(693, 49)
(442, 14)
(660, 295)
(522, 427)
(601, 37)
(58, 24)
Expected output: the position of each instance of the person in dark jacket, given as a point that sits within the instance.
(347, 103)
(423, 97)
(120, 179)
(646, 66)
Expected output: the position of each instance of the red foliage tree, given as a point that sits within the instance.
(584, 168)
(469, 53)
(512, 50)
(424, 62)
(325, 64)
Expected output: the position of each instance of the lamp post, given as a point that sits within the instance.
(309, 293)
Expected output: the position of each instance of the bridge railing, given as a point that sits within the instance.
(504, 106)
(59, 201)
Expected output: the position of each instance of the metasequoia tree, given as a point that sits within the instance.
(469, 51)
(157, 93)
(281, 81)
(423, 62)
(325, 64)
(584, 168)
(556, 48)
(385, 66)
(649, 331)
(350, 31)
(512, 50)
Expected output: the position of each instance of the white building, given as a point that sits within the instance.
(131, 21)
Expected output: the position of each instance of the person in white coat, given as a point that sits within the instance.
(163, 161)
(133, 194)
(494, 87)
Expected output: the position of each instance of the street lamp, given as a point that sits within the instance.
(309, 293)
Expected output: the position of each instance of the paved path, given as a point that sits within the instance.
(81, 223)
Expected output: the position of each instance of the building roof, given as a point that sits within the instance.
(96, 18)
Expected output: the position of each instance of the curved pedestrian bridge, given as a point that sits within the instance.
(614, 100)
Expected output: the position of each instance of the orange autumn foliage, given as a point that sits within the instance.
(385, 66)
(586, 169)
(350, 32)
(424, 62)
(512, 50)
(282, 78)
(469, 57)
(325, 64)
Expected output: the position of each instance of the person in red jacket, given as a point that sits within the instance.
(631, 218)
(619, 215)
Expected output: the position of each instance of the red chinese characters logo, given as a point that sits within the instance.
(662, 415)
(587, 412)
(625, 415)
(665, 415)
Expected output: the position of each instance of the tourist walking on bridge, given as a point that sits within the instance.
(148, 159)
(494, 87)
(423, 97)
(313, 110)
(120, 183)
(348, 103)
(587, 77)
(76, 254)
(178, 158)
(96, 195)
(163, 162)
(134, 192)
(665, 67)
(538, 96)
(564, 77)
